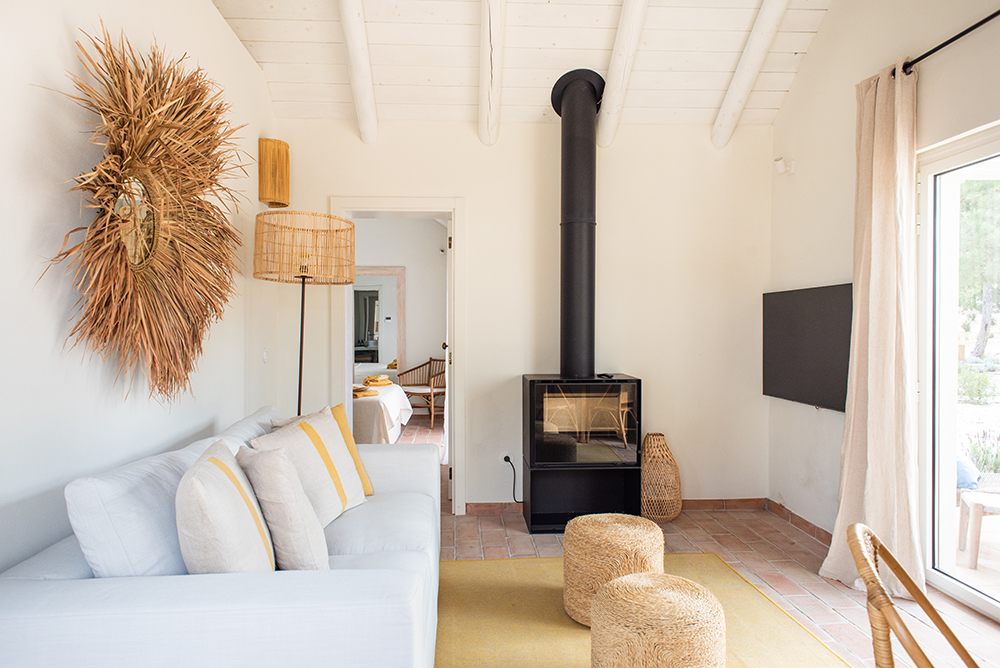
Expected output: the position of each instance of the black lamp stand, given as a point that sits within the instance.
(302, 325)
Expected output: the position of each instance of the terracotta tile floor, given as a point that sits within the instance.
(774, 556)
(418, 430)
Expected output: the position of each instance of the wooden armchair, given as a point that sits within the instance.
(426, 382)
(866, 549)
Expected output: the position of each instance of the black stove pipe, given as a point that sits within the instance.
(576, 97)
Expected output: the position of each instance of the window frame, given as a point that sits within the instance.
(960, 151)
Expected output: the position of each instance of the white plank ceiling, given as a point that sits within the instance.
(425, 56)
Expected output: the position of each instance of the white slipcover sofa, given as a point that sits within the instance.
(376, 606)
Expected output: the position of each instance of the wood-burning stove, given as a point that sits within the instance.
(581, 429)
(581, 440)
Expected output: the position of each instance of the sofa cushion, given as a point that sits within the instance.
(219, 523)
(386, 523)
(299, 543)
(324, 464)
(62, 561)
(124, 519)
(249, 428)
(340, 415)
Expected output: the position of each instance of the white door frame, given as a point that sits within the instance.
(457, 312)
(951, 154)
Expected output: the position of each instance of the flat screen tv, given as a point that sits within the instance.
(807, 345)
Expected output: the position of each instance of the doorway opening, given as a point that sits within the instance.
(368, 346)
(408, 250)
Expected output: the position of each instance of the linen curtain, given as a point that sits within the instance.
(878, 471)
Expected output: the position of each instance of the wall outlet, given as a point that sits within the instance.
(506, 454)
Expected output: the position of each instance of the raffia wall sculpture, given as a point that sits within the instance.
(155, 267)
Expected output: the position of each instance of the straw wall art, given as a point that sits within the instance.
(155, 267)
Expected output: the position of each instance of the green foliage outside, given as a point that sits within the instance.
(990, 364)
(979, 256)
(974, 385)
(984, 451)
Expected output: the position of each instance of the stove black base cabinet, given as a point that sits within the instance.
(554, 496)
(581, 448)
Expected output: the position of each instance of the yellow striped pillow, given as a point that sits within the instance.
(323, 461)
(340, 415)
(219, 524)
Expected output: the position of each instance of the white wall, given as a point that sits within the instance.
(415, 244)
(63, 414)
(683, 257)
(813, 210)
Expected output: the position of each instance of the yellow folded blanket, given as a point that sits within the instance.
(391, 365)
(365, 393)
(377, 381)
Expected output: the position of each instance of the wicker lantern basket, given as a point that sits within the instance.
(661, 481)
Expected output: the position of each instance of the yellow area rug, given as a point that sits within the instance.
(509, 612)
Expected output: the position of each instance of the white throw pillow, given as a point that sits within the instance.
(124, 519)
(254, 425)
(323, 462)
(299, 542)
(219, 524)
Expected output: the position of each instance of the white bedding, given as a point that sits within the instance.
(362, 369)
(380, 419)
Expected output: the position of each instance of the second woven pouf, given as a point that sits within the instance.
(653, 619)
(600, 548)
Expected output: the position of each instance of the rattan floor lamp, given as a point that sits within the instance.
(300, 247)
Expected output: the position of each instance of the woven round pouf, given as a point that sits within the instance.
(653, 619)
(600, 548)
(661, 481)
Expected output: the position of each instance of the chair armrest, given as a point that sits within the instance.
(403, 467)
(372, 618)
(415, 376)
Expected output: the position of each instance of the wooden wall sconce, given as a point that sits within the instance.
(273, 172)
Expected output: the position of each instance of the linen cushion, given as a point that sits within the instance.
(62, 561)
(299, 543)
(323, 462)
(386, 523)
(340, 415)
(254, 425)
(219, 524)
(124, 518)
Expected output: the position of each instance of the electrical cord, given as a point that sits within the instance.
(513, 489)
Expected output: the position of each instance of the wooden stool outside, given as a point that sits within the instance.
(653, 619)
(600, 548)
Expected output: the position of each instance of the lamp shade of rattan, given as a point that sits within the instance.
(661, 480)
(599, 548)
(654, 619)
(290, 245)
(272, 172)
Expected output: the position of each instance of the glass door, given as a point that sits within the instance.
(962, 205)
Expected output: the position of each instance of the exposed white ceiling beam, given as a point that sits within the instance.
(626, 43)
(764, 29)
(491, 33)
(352, 20)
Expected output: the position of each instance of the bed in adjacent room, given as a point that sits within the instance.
(380, 419)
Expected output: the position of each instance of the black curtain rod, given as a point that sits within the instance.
(908, 65)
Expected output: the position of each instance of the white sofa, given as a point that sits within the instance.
(376, 606)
